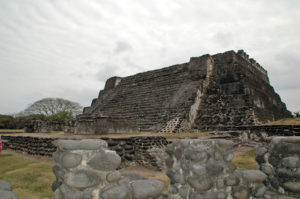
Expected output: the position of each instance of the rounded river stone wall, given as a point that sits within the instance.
(86, 169)
(280, 161)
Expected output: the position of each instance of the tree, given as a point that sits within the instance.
(61, 116)
(50, 106)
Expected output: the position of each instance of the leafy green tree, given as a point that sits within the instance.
(61, 116)
(7, 122)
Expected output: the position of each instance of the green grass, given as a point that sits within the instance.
(246, 160)
(30, 179)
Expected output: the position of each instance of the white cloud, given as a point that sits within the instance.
(68, 48)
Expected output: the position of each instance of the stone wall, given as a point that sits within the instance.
(132, 150)
(270, 130)
(225, 89)
(203, 169)
(280, 161)
(40, 126)
(87, 169)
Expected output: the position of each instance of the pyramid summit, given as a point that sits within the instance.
(225, 89)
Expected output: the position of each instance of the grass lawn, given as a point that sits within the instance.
(30, 179)
(245, 160)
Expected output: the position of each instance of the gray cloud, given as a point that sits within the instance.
(122, 47)
(58, 48)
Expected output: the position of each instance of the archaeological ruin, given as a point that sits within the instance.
(211, 91)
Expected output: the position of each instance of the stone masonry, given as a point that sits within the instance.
(197, 168)
(86, 169)
(203, 169)
(226, 89)
(280, 161)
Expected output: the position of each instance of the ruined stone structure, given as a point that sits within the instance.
(197, 168)
(138, 150)
(226, 89)
(202, 168)
(87, 169)
(40, 126)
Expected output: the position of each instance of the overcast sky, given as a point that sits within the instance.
(67, 49)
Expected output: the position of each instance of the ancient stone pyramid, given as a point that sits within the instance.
(226, 89)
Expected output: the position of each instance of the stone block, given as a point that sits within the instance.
(71, 160)
(116, 192)
(144, 189)
(82, 179)
(254, 176)
(105, 160)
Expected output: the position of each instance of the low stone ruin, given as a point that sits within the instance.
(197, 168)
(139, 150)
(40, 126)
(280, 161)
(204, 169)
(6, 191)
(87, 169)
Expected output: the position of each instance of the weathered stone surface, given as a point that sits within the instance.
(176, 177)
(82, 179)
(200, 185)
(113, 177)
(86, 144)
(69, 193)
(214, 169)
(254, 176)
(198, 169)
(183, 192)
(228, 157)
(232, 181)
(8, 195)
(71, 160)
(127, 178)
(260, 191)
(92, 144)
(55, 185)
(58, 172)
(292, 186)
(267, 169)
(144, 189)
(107, 160)
(241, 192)
(5, 186)
(67, 144)
(291, 162)
(260, 150)
(116, 192)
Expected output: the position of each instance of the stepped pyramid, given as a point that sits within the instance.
(226, 89)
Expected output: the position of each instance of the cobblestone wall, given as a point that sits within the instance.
(40, 126)
(203, 169)
(280, 161)
(87, 169)
(132, 150)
